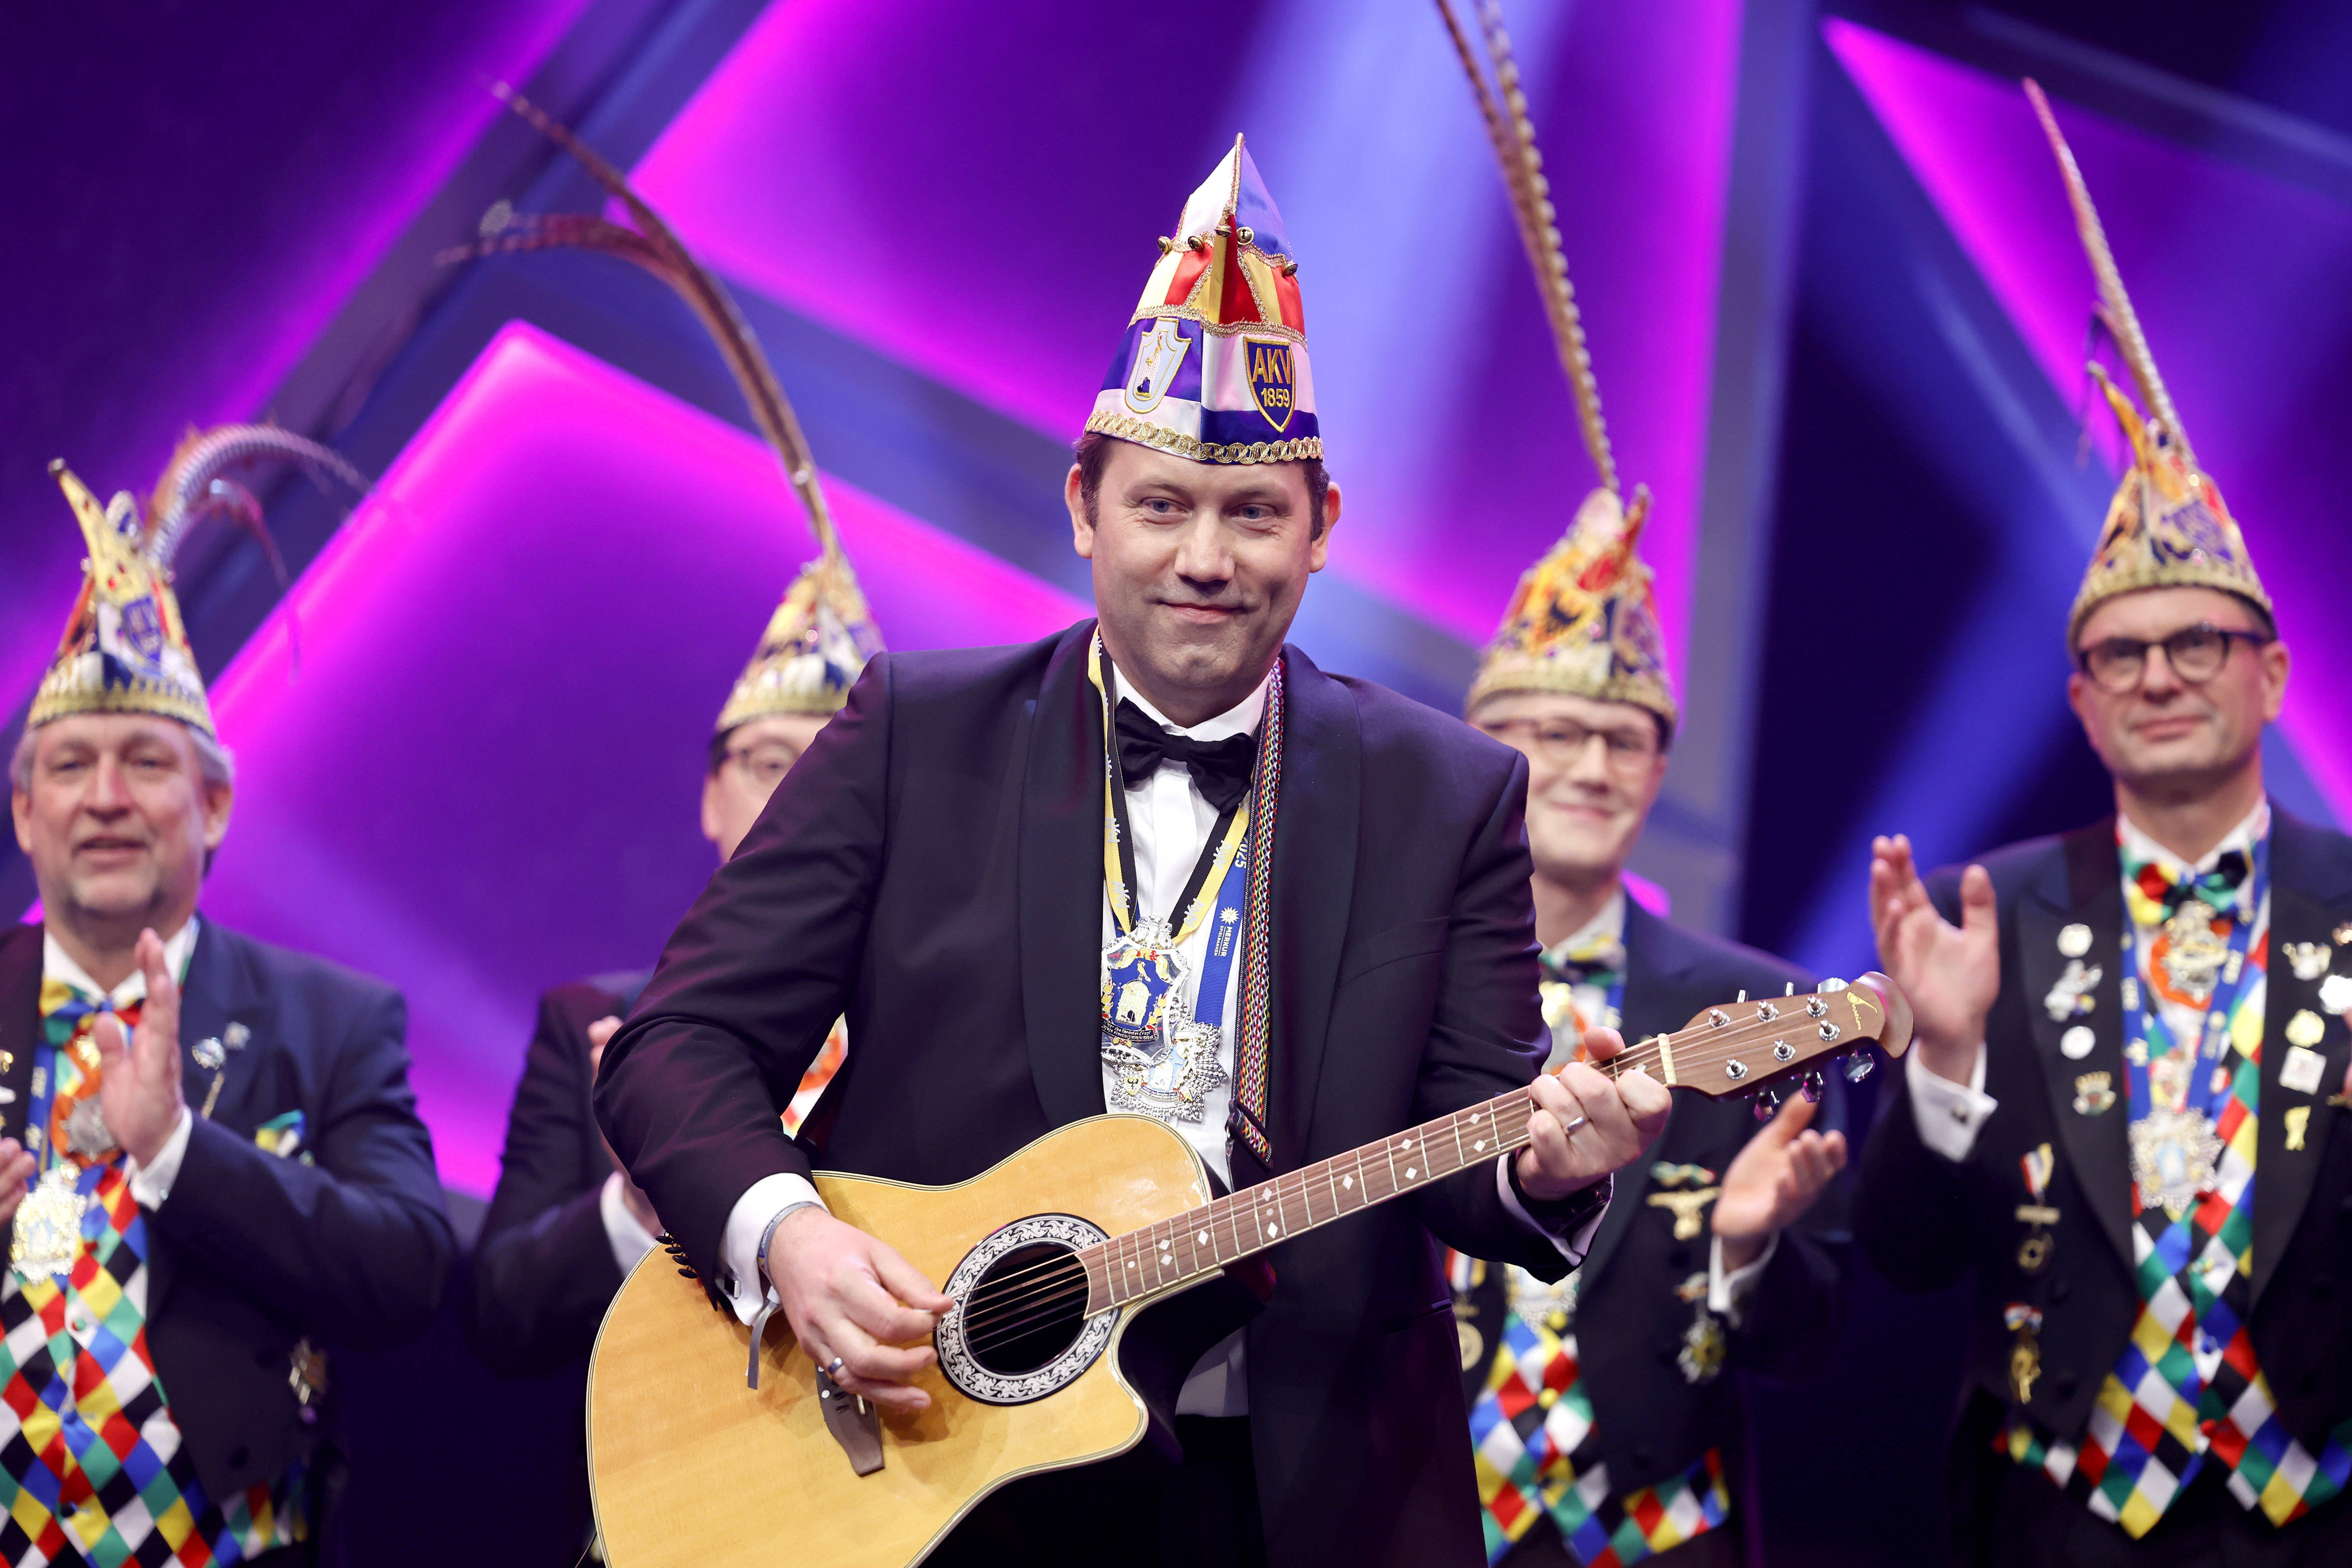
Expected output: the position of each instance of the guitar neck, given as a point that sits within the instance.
(1177, 1252)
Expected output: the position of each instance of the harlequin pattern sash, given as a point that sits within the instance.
(2187, 1390)
(91, 1460)
(1528, 1430)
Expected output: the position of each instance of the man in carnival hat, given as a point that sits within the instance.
(566, 1224)
(1601, 1417)
(209, 1155)
(1006, 865)
(2126, 1110)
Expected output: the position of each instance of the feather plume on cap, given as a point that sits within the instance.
(125, 648)
(1584, 620)
(2167, 526)
(821, 635)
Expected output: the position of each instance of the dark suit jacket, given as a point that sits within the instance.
(544, 1268)
(1651, 1420)
(931, 867)
(1927, 1221)
(252, 1252)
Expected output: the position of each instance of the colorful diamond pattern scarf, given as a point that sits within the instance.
(92, 1464)
(1526, 1429)
(2188, 1370)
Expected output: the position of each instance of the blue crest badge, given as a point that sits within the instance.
(1157, 356)
(1270, 382)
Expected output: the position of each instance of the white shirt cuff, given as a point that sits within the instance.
(151, 1183)
(630, 1241)
(1573, 1245)
(738, 1245)
(1726, 1294)
(1948, 1114)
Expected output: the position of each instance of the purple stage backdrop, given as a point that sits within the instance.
(977, 191)
(470, 746)
(2238, 279)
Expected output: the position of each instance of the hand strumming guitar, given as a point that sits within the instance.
(1587, 1124)
(1951, 973)
(848, 1295)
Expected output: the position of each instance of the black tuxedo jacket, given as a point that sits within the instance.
(1926, 1221)
(931, 867)
(544, 1268)
(1652, 1421)
(252, 1252)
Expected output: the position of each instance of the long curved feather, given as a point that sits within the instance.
(192, 487)
(663, 254)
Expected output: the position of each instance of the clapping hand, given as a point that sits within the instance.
(1950, 973)
(139, 1089)
(1774, 1179)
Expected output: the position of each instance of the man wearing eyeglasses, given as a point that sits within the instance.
(1602, 1423)
(2126, 1109)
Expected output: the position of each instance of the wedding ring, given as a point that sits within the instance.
(833, 1368)
(1570, 1125)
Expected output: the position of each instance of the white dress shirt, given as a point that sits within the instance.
(150, 1184)
(1170, 822)
(1949, 1115)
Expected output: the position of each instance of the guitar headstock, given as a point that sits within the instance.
(1760, 1043)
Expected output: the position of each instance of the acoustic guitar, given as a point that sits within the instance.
(1049, 1258)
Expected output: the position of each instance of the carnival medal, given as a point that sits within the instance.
(47, 1235)
(2175, 1152)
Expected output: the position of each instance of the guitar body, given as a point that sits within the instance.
(690, 1468)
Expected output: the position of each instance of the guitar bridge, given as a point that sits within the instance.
(855, 1424)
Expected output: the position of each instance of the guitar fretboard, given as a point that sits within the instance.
(1779, 1034)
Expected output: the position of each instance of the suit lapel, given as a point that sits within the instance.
(20, 1025)
(1655, 967)
(1314, 888)
(2085, 889)
(1060, 892)
(2300, 914)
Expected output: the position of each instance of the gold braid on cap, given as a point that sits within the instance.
(1514, 139)
(654, 247)
(2114, 304)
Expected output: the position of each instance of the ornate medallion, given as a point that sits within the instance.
(48, 1235)
(86, 1135)
(1171, 1083)
(2190, 953)
(1704, 1349)
(1533, 1302)
(1472, 1344)
(2174, 1155)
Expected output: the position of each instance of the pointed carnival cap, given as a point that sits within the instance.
(1213, 366)
(2167, 526)
(1584, 620)
(818, 642)
(125, 648)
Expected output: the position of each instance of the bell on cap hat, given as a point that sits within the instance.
(2167, 526)
(1584, 620)
(821, 635)
(125, 649)
(1213, 366)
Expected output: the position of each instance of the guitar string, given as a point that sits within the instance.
(1734, 1034)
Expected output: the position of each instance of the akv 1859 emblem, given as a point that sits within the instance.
(1156, 359)
(1270, 383)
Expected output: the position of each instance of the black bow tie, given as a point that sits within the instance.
(1220, 768)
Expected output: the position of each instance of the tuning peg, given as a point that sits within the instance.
(1809, 1086)
(1859, 1066)
(1768, 1103)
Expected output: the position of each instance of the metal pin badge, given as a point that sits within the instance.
(2073, 941)
(2076, 1043)
(212, 1057)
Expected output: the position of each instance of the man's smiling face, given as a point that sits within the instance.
(1198, 570)
(116, 818)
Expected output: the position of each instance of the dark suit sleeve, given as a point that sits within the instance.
(354, 1248)
(751, 984)
(1796, 1310)
(1915, 1208)
(543, 1270)
(1484, 1039)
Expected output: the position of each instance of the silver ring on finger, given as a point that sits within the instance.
(1570, 1125)
(833, 1368)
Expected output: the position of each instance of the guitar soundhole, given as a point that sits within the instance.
(1028, 1307)
(1019, 1328)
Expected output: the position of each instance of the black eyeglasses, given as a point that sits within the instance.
(2195, 653)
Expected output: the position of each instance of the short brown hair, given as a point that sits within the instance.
(1094, 456)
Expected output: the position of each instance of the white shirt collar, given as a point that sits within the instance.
(59, 964)
(1609, 922)
(1241, 719)
(2139, 848)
